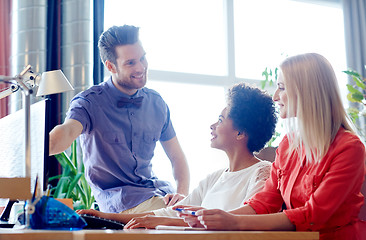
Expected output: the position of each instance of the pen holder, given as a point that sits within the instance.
(48, 213)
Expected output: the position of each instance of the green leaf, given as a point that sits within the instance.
(60, 186)
(351, 89)
(359, 82)
(79, 205)
(73, 196)
(276, 73)
(65, 187)
(265, 74)
(54, 178)
(353, 113)
(353, 73)
(349, 97)
(86, 187)
(82, 194)
(62, 157)
(73, 183)
(357, 97)
(74, 154)
(266, 78)
(357, 78)
(354, 94)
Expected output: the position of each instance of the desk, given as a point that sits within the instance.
(139, 234)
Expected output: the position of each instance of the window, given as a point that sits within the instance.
(198, 48)
(265, 35)
(178, 36)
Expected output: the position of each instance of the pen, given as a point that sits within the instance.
(48, 190)
(35, 189)
(182, 210)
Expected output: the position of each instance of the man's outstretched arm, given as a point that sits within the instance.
(62, 136)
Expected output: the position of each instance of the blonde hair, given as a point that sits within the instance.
(314, 98)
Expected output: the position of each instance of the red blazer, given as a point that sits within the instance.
(323, 196)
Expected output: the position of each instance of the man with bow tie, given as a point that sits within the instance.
(119, 123)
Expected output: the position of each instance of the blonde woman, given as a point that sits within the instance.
(319, 166)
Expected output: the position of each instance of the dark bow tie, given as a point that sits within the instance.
(129, 102)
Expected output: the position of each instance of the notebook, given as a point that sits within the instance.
(178, 228)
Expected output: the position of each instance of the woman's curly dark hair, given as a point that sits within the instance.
(252, 112)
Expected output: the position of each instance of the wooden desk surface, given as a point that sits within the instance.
(28, 234)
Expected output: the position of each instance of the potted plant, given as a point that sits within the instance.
(72, 183)
(356, 94)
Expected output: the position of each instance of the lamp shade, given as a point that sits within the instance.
(53, 82)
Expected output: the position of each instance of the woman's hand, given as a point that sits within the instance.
(171, 199)
(149, 221)
(216, 219)
(213, 219)
(191, 220)
(90, 212)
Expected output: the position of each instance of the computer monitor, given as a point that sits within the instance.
(12, 144)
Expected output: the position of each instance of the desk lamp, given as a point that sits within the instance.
(50, 82)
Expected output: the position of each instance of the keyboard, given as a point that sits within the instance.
(100, 223)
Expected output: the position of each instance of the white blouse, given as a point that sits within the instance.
(225, 190)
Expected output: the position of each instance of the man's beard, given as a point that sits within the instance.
(130, 85)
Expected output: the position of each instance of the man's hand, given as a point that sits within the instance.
(171, 199)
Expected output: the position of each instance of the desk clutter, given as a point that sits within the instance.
(48, 213)
(5, 215)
